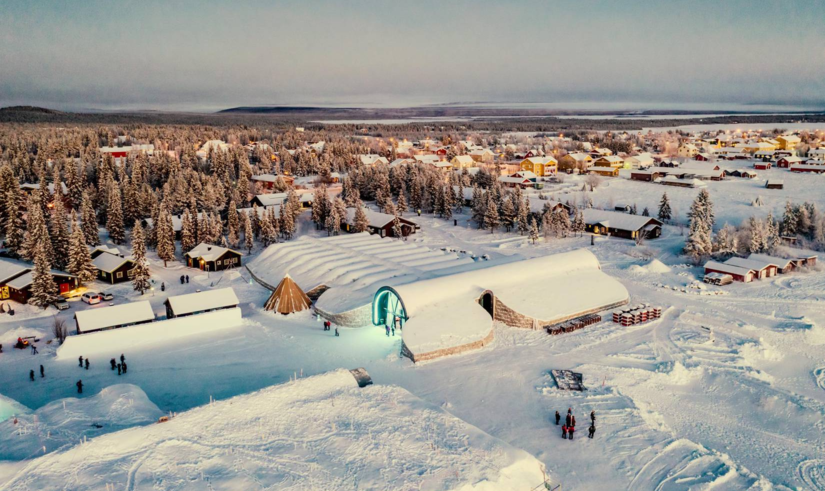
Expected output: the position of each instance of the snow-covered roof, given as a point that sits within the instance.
(102, 317)
(750, 263)
(444, 312)
(580, 156)
(463, 160)
(541, 160)
(109, 262)
(767, 259)
(376, 219)
(371, 158)
(617, 220)
(728, 268)
(104, 248)
(35, 186)
(265, 178)
(271, 199)
(209, 252)
(202, 301)
(25, 280)
(9, 268)
(352, 266)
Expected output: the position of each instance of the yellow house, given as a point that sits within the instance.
(462, 162)
(788, 142)
(540, 166)
(579, 160)
(605, 171)
(757, 147)
(609, 161)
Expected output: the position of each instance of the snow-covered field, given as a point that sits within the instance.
(725, 391)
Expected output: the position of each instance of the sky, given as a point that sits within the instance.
(208, 54)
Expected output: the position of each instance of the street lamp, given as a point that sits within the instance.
(153, 290)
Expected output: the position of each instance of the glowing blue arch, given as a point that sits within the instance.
(386, 306)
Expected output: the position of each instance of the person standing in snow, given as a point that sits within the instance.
(119, 367)
(564, 431)
(34, 349)
(31, 375)
(591, 431)
(163, 286)
(113, 363)
(574, 421)
(122, 358)
(42, 372)
(388, 330)
(558, 418)
(570, 431)
(187, 279)
(80, 361)
(181, 279)
(336, 331)
(123, 366)
(87, 363)
(79, 385)
(593, 416)
(569, 418)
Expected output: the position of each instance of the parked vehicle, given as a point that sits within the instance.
(106, 296)
(91, 298)
(61, 304)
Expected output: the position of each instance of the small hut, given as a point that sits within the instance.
(288, 298)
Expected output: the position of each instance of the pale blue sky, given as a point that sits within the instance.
(210, 54)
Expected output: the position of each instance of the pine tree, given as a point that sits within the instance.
(320, 205)
(188, 231)
(333, 222)
(114, 219)
(491, 217)
(165, 233)
(396, 227)
(89, 221)
(645, 212)
(725, 244)
(287, 220)
(15, 227)
(37, 233)
(401, 203)
(59, 233)
(534, 230)
(522, 215)
(233, 225)
(361, 221)
(80, 261)
(665, 212)
(140, 272)
(248, 235)
(44, 290)
(268, 234)
(699, 243)
(578, 223)
(772, 239)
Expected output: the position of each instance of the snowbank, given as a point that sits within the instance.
(113, 342)
(9, 407)
(321, 432)
(70, 420)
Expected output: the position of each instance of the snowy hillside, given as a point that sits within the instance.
(321, 432)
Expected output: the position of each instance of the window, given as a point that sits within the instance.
(219, 262)
(119, 274)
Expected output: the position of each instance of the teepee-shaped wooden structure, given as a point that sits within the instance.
(288, 298)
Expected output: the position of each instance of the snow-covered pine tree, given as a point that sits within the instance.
(89, 220)
(267, 233)
(114, 218)
(187, 232)
(15, 227)
(80, 261)
(401, 202)
(59, 233)
(491, 216)
(534, 230)
(287, 220)
(204, 228)
(333, 222)
(522, 216)
(140, 272)
(725, 244)
(36, 231)
(508, 214)
(665, 212)
(645, 212)
(699, 243)
(479, 206)
(320, 205)
(248, 235)
(165, 234)
(361, 221)
(446, 202)
(44, 290)
(396, 228)
(233, 225)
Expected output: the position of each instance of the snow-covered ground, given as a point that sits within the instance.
(725, 390)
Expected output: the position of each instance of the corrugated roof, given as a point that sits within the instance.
(102, 317)
(201, 301)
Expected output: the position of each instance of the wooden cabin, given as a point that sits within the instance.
(208, 257)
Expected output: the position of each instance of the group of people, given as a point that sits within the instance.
(184, 278)
(42, 373)
(568, 429)
(328, 327)
(121, 367)
(84, 362)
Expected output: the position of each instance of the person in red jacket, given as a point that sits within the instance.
(571, 430)
(564, 431)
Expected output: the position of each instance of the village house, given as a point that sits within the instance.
(578, 160)
(540, 166)
(775, 184)
(762, 269)
(19, 288)
(112, 268)
(208, 257)
(788, 142)
(786, 162)
(462, 162)
(687, 150)
(764, 165)
(268, 181)
(640, 161)
(738, 273)
(484, 155)
(380, 224)
(372, 159)
(623, 225)
(702, 157)
(524, 179)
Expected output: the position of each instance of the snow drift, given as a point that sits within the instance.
(322, 432)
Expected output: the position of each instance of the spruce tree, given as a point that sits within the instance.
(44, 290)
(80, 261)
(268, 234)
(396, 228)
(233, 225)
(333, 222)
(140, 272)
(89, 221)
(15, 227)
(114, 219)
(188, 239)
(287, 220)
(491, 217)
(165, 233)
(534, 230)
(361, 221)
(665, 212)
(248, 235)
(59, 233)
(522, 216)
(401, 203)
(699, 243)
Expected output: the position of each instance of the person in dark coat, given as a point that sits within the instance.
(163, 286)
(80, 361)
(122, 358)
(187, 279)
(564, 431)
(570, 432)
(119, 368)
(31, 375)
(123, 366)
(591, 431)
(113, 363)
(336, 331)
(181, 279)
(568, 419)
(34, 349)
(42, 372)
(79, 385)
(593, 416)
(558, 418)
(87, 363)
(387, 328)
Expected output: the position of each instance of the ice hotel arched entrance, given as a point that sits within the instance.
(388, 308)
